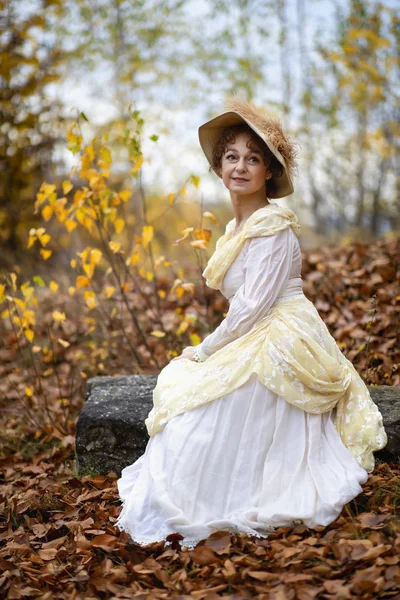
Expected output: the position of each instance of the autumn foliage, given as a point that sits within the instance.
(120, 306)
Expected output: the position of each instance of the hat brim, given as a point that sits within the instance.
(209, 133)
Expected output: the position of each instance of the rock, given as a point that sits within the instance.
(111, 432)
(387, 399)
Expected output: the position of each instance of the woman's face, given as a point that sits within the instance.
(242, 166)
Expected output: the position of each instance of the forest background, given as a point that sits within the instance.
(109, 212)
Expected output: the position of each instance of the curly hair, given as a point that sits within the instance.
(228, 136)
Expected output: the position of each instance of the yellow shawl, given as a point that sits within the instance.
(290, 350)
(266, 221)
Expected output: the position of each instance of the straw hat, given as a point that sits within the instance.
(266, 126)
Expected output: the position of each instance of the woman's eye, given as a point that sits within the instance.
(229, 156)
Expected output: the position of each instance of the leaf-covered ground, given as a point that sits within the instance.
(57, 538)
(58, 541)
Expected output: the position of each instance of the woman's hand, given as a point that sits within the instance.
(186, 353)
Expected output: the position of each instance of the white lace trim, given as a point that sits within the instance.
(186, 542)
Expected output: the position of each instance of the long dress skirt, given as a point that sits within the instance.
(246, 462)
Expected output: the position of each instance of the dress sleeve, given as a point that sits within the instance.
(267, 267)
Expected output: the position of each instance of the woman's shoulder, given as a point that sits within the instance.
(270, 220)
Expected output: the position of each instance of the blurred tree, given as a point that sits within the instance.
(352, 97)
(231, 52)
(29, 61)
(141, 46)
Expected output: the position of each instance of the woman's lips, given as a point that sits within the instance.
(239, 179)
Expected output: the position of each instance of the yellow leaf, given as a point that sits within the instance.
(185, 234)
(29, 391)
(162, 293)
(47, 189)
(171, 198)
(157, 333)
(89, 270)
(147, 235)
(58, 316)
(40, 198)
(195, 179)
(2, 290)
(28, 292)
(29, 334)
(106, 158)
(90, 152)
(63, 343)
(45, 253)
(210, 216)
(71, 290)
(67, 186)
(95, 256)
(84, 254)
(73, 263)
(176, 283)
(28, 318)
(47, 213)
(16, 319)
(54, 286)
(31, 240)
(109, 291)
(70, 225)
(133, 260)
(91, 302)
(19, 303)
(195, 339)
(202, 244)
(125, 195)
(188, 287)
(202, 234)
(149, 276)
(182, 327)
(44, 238)
(13, 281)
(82, 281)
(119, 225)
(137, 165)
(115, 246)
(158, 261)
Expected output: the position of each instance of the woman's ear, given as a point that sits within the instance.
(268, 175)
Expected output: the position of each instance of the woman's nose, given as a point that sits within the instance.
(241, 164)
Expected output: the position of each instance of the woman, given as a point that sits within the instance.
(265, 422)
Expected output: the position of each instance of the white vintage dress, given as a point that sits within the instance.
(247, 461)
